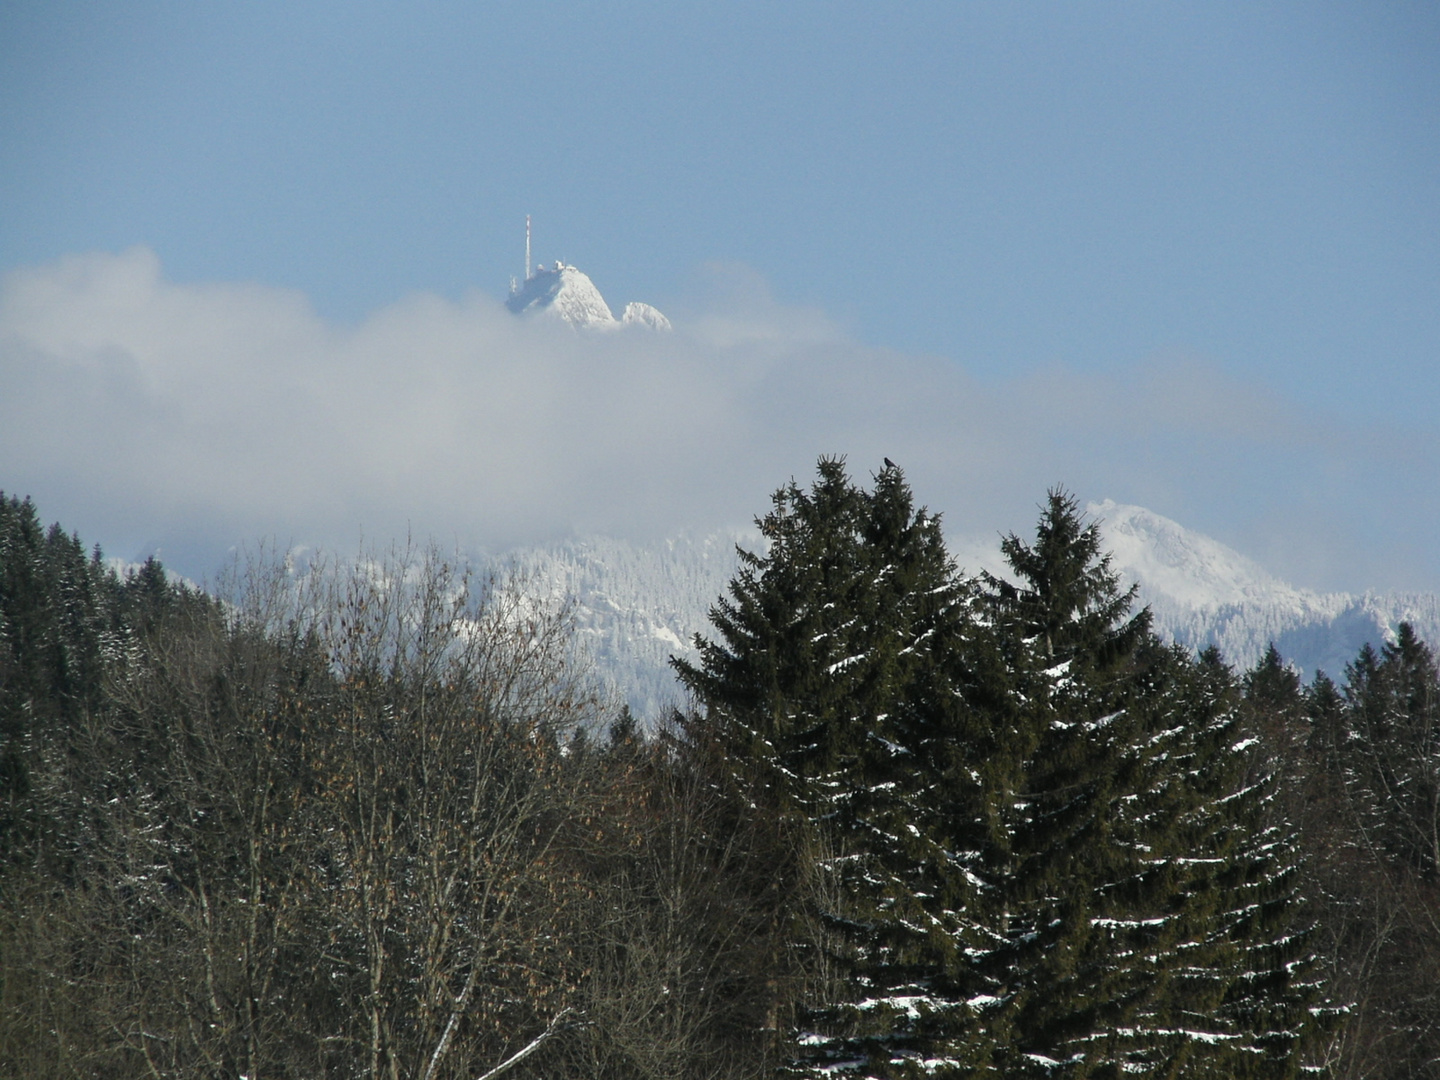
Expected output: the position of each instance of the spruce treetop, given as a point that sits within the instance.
(1068, 601)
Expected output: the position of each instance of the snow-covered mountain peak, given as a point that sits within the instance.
(1202, 592)
(637, 314)
(563, 292)
(1185, 567)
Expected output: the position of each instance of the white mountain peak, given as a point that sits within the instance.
(637, 314)
(1183, 566)
(563, 292)
(1202, 592)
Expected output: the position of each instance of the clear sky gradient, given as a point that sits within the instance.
(1125, 204)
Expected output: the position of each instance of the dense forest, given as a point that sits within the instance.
(370, 819)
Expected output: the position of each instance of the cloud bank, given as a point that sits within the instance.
(148, 415)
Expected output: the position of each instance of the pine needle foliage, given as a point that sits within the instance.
(1150, 908)
(1050, 857)
(842, 686)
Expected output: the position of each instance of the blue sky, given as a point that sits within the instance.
(1197, 247)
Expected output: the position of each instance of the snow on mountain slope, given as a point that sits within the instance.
(1202, 592)
(637, 314)
(635, 606)
(638, 605)
(565, 292)
(568, 294)
(1185, 567)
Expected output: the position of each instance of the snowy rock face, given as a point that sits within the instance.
(563, 292)
(644, 315)
(1204, 593)
(1183, 566)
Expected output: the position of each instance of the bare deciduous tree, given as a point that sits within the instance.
(313, 831)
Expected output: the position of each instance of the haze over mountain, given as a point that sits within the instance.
(255, 258)
(182, 419)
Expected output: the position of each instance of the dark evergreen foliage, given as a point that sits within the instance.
(1068, 605)
(842, 688)
(56, 607)
(1046, 822)
(1393, 700)
(1368, 774)
(1149, 921)
(66, 622)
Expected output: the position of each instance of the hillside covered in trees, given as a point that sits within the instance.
(372, 820)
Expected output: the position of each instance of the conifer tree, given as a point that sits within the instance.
(1052, 854)
(1373, 863)
(58, 609)
(1146, 922)
(1393, 700)
(846, 658)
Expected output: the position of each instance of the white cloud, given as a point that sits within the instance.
(143, 412)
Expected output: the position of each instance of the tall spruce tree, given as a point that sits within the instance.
(1148, 922)
(842, 684)
(1393, 702)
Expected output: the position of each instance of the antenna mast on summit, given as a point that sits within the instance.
(527, 247)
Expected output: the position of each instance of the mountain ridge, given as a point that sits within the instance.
(636, 605)
(1202, 593)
